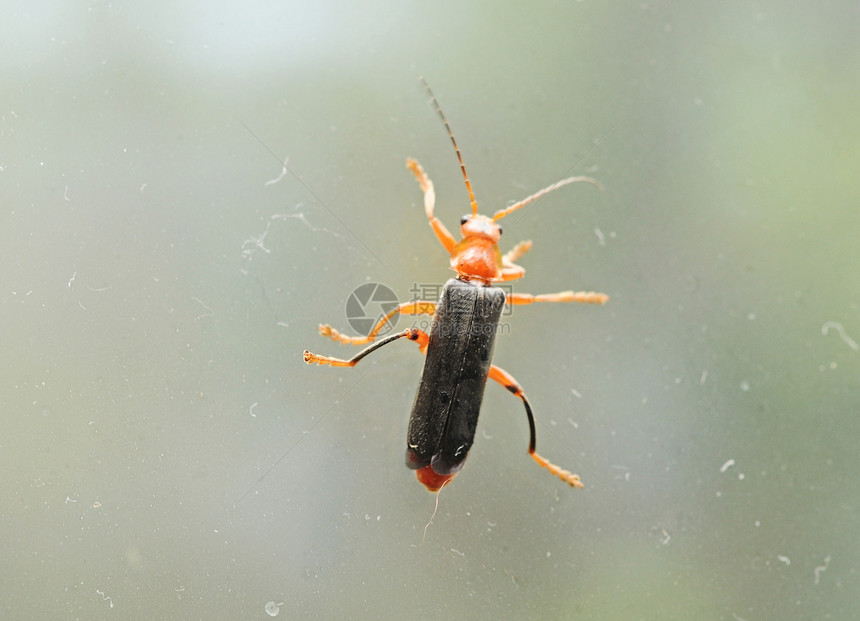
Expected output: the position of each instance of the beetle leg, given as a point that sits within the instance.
(419, 307)
(584, 297)
(442, 233)
(512, 255)
(413, 334)
(508, 381)
(510, 270)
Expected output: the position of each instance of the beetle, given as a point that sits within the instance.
(458, 349)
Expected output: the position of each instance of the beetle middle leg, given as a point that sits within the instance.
(507, 380)
(583, 297)
(419, 307)
(413, 334)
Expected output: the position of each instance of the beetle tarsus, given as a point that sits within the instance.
(565, 475)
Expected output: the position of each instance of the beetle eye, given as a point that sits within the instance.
(464, 219)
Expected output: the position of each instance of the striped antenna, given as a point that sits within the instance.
(456, 148)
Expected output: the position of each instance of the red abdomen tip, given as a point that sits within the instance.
(431, 480)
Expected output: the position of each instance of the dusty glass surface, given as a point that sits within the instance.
(165, 452)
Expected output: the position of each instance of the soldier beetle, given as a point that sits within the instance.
(459, 347)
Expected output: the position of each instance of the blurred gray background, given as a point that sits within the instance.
(157, 293)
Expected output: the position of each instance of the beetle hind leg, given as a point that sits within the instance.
(413, 334)
(507, 380)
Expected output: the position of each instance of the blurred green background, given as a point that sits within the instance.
(157, 293)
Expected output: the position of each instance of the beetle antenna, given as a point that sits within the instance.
(537, 195)
(456, 148)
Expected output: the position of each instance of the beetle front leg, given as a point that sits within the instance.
(513, 255)
(510, 269)
(443, 234)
